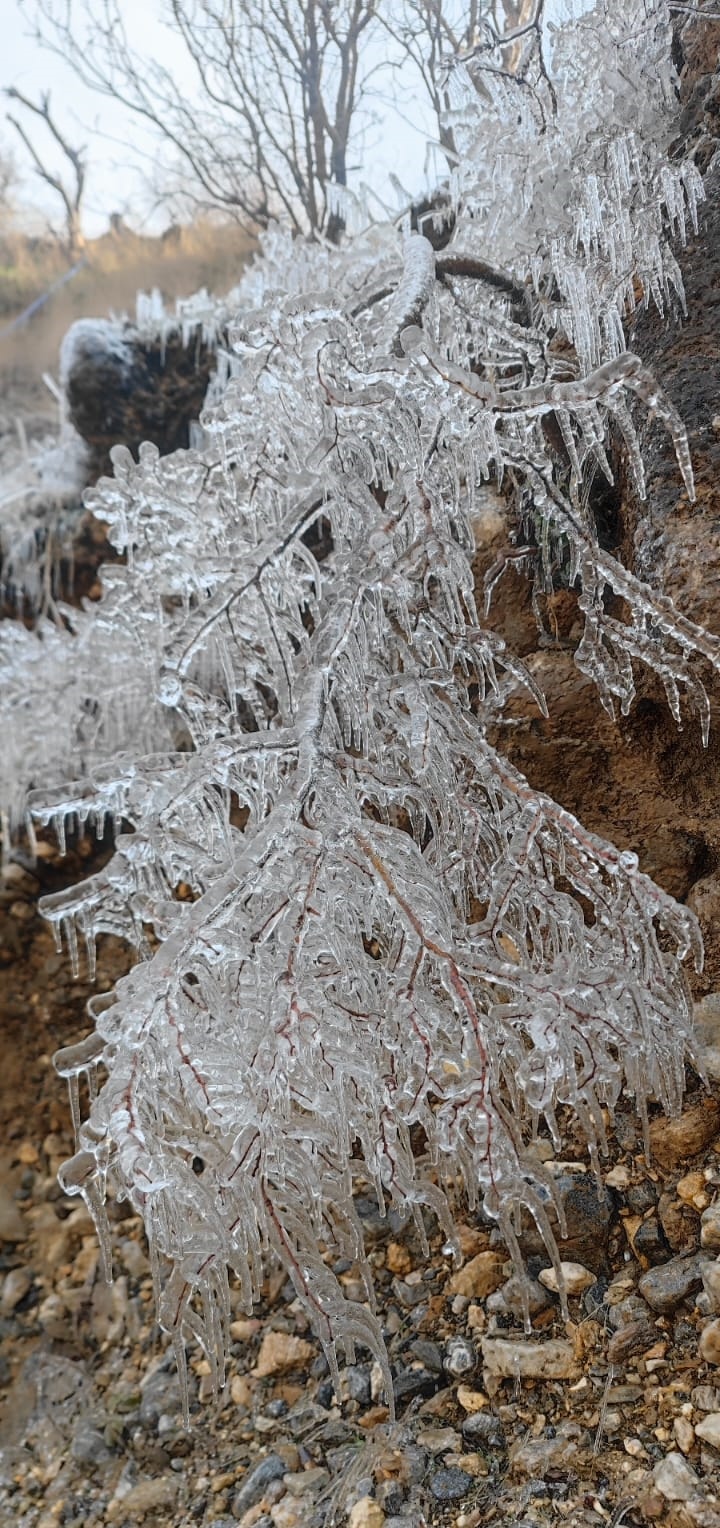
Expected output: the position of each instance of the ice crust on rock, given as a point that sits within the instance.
(281, 701)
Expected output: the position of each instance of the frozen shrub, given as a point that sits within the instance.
(282, 701)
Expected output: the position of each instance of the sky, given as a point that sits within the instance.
(120, 152)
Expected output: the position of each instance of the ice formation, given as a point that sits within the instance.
(396, 959)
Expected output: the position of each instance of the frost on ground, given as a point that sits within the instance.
(391, 957)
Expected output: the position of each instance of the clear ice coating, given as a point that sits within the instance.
(281, 701)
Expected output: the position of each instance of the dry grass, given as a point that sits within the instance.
(119, 265)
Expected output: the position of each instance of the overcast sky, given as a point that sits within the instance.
(120, 153)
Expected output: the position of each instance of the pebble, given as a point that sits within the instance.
(307, 1482)
(684, 1434)
(574, 1277)
(160, 1396)
(535, 1456)
(12, 1220)
(710, 1342)
(504, 1358)
(680, 1223)
(280, 1353)
(665, 1287)
(356, 1384)
(15, 1287)
(439, 1440)
(710, 1226)
(478, 1278)
(460, 1357)
(709, 1429)
(676, 1479)
(636, 1337)
(471, 1400)
(649, 1241)
(450, 1485)
(482, 1427)
(367, 1513)
(254, 1485)
(673, 1141)
(511, 1298)
(147, 1496)
(88, 1445)
(589, 1217)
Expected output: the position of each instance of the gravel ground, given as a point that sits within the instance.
(611, 1417)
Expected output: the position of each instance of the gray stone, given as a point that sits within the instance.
(509, 1299)
(649, 1241)
(460, 1357)
(710, 1227)
(12, 1220)
(357, 1384)
(483, 1430)
(253, 1487)
(665, 1287)
(160, 1397)
(88, 1445)
(676, 1479)
(588, 1217)
(523, 1359)
(535, 1456)
(450, 1485)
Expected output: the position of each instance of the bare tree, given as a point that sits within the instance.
(70, 190)
(278, 86)
(501, 35)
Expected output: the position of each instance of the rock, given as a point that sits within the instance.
(485, 1429)
(429, 1354)
(460, 1357)
(711, 1284)
(450, 1485)
(12, 1220)
(255, 1483)
(665, 1287)
(510, 1298)
(147, 1496)
(439, 1440)
(706, 1025)
(588, 1217)
(280, 1353)
(160, 1396)
(710, 1342)
(356, 1383)
(478, 1278)
(684, 1434)
(692, 1189)
(470, 1400)
(397, 1258)
(636, 1337)
(123, 386)
(535, 1456)
(575, 1278)
(307, 1482)
(709, 1429)
(710, 1226)
(367, 1513)
(504, 1358)
(674, 1141)
(88, 1445)
(411, 1382)
(15, 1287)
(680, 1223)
(283, 1514)
(675, 1479)
(649, 1241)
